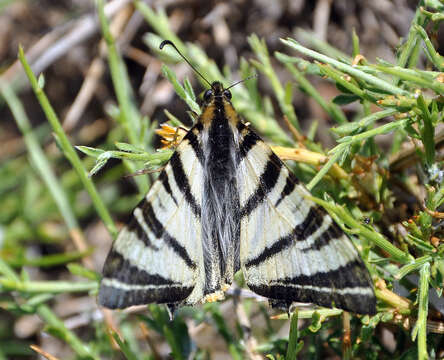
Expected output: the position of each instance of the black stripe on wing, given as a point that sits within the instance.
(141, 234)
(269, 177)
(119, 268)
(324, 288)
(290, 184)
(249, 140)
(160, 232)
(300, 232)
(117, 298)
(183, 184)
(267, 182)
(163, 178)
(163, 290)
(193, 138)
(356, 303)
(331, 233)
(352, 274)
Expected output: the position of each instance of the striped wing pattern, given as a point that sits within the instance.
(226, 202)
(291, 250)
(157, 257)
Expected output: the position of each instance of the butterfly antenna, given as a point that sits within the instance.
(168, 42)
(241, 81)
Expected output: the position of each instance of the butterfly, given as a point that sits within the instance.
(225, 202)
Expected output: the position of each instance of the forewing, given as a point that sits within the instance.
(157, 258)
(291, 249)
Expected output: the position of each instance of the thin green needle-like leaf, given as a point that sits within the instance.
(67, 148)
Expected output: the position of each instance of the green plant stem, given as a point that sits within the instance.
(129, 117)
(120, 80)
(62, 331)
(49, 260)
(409, 76)
(161, 156)
(67, 148)
(308, 314)
(38, 158)
(416, 264)
(409, 45)
(355, 42)
(7, 271)
(159, 22)
(435, 17)
(360, 229)
(294, 346)
(264, 65)
(309, 37)
(124, 347)
(438, 198)
(180, 90)
(383, 85)
(35, 287)
(427, 132)
(421, 324)
(332, 109)
(364, 122)
(341, 79)
(321, 173)
(437, 59)
(435, 4)
(43, 310)
(349, 140)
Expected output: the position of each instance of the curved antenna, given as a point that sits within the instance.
(168, 42)
(241, 81)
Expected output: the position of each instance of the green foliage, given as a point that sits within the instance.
(409, 100)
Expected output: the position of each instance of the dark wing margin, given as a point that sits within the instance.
(125, 285)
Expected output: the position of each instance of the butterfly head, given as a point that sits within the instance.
(217, 90)
(217, 104)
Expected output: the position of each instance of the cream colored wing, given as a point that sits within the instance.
(157, 258)
(291, 249)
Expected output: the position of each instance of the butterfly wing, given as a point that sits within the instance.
(291, 250)
(157, 258)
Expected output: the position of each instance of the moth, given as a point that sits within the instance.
(223, 203)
